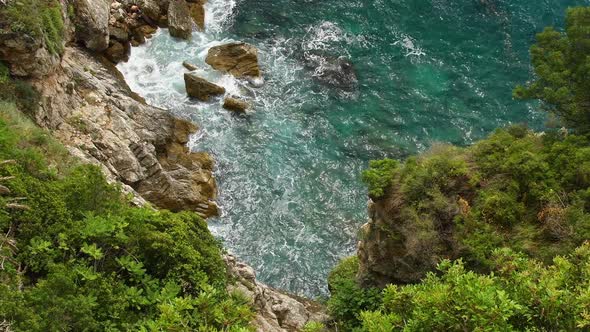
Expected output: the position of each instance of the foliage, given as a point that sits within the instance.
(85, 260)
(348, 299)
(522, 295)
(314, 327)
(379, 176)
(562, 63)
(39, 19)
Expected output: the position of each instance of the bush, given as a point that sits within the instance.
(347, 298)
(379, 176)
(88, 260)
(522, 295)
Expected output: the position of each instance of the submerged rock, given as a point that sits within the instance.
(180, 23)
(333, 71)
(276, 311)
(238, 59)
(235, 104)
(200, 88)
(92, 23)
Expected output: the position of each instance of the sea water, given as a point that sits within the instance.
(418, 72)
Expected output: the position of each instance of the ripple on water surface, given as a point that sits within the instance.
(288, 172)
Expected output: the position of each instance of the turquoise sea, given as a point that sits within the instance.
(346, 81)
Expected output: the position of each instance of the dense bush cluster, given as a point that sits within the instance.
(75, 256)
(521, 295)
(516, 189)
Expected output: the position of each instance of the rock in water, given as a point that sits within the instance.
(180, 23)
(235, 104)
(92, 23)
(200, 88)
(239, 59)
(333, 71)
(189, 66)
(197, 12)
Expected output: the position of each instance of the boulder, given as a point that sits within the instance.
(92, 23)
(180, 22)
(235, 104)
(151, 9)
(189, 66)
(197, 12)
(200, 88)
(117, 52)
(238, 59)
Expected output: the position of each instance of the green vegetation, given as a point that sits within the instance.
(522, 295)
(491, 237)
(348, 299)
(75, 256)
(18, 91)
(39, 19)
(379, 176)
(562, 66)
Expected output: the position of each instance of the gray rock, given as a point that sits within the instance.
(276, 311)
(200, 88)
(92, 23)
(180, 23)
(141, 146)
(25, 55)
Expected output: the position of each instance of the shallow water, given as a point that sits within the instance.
(289, 171)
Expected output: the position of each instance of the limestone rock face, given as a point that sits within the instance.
(92, 23)
(238, 59)
(277, 311)
(25, 55)
(234, 104)
(200, 88)
(180, 23)
(88, 106)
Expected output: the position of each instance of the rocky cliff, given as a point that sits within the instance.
(86, 104)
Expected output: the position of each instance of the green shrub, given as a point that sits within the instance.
(89, 261)
(347, 298)
(379, 176)
(522, 295)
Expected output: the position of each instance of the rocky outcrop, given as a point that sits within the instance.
(180, 23)
(399, 245)
(88, 107)
(200, 88)
(92, 23)
(238, 59)
(235, 104)
(25, 55)
(276, 311)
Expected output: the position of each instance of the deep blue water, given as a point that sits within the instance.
(289, 172)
